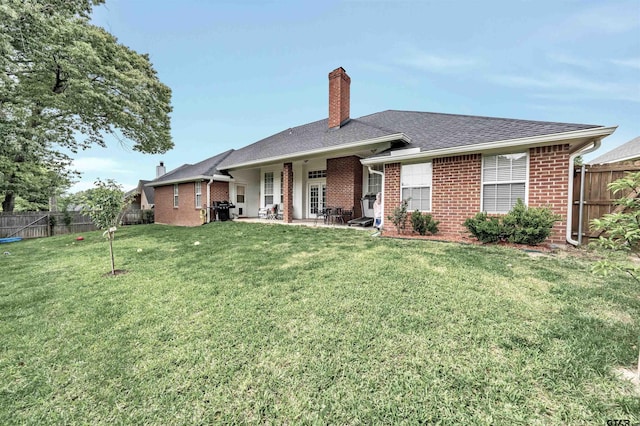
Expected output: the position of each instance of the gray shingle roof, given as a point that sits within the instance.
(208, 167)
(627, 151)
(149, 192)
(141, 188)
(427, 131)
(311, 136)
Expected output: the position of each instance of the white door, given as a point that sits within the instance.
(317, 194)
(241, 207)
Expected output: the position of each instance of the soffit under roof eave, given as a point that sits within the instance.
(578, 137)
(215, 177)
(318, 152)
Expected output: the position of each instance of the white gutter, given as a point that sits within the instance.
(599, 132)
(301, 154)
(572, 157)
(382, 204)
(209, 200)
(219, 178)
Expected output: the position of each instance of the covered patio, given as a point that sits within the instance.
(320, 223)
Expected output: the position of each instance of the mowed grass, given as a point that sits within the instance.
(278, 324)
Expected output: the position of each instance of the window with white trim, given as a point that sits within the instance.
(175, 195)
(268, 188)
(281, 187)
(504, 180)
(374, 180)
(415, 186)
(240, 194)
(317, 174)
(198, 195)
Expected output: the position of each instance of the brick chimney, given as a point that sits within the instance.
(339, 83)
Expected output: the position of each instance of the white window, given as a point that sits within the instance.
(175, 195)
(415, 184)
(504, 180)
(374, 180)
(281, 187)
(317, 174)
(240, 194)
(198, 195)
(268, 188)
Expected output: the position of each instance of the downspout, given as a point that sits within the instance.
(581, 204)
(381, 174)
(572, 157)
(209, 200)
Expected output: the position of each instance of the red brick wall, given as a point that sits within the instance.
(456, 187)
(549, 184)
(344, 183)
(339, 97)
(186, 214)
(219, 191)
(391, 196)
(287, 189)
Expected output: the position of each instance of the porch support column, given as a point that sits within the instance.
(287, 189)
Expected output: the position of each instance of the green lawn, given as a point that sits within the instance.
(281, 324)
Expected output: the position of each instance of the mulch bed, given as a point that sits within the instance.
(465, 239)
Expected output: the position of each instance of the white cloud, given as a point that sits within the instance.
(631, 62)
(435, 63)
(562, 85)
(95, 165)
(83, 185)
(612, 18)
(570, 60)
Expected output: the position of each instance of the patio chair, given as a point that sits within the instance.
(280, 212)
(336, 216)
(264, 212)
(322, 214)
(273, 213)
(348, 214)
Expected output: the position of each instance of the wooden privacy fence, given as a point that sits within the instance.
(136, 216)
(597, 199)
(42, 224)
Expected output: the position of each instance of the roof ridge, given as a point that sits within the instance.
(384, 129)
(486, 117)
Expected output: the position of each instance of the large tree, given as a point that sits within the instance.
(65, 85)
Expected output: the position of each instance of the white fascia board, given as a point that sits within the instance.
(599, 132)
(221, 178)
(313, 152)
(618, 160)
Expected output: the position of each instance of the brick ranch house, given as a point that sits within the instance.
(451, 166)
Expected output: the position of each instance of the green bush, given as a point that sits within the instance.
(528, 225)
(485, 228)
(522, 225)
(399, 216)
(148, 216)
(423, 223)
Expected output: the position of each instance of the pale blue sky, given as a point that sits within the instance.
(241, 70)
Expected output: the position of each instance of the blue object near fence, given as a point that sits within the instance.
(10, 240)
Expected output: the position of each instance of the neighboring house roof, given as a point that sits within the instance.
(206, 169)
(423, 131)
(131, 192)
(626, 151)
(148, 192)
